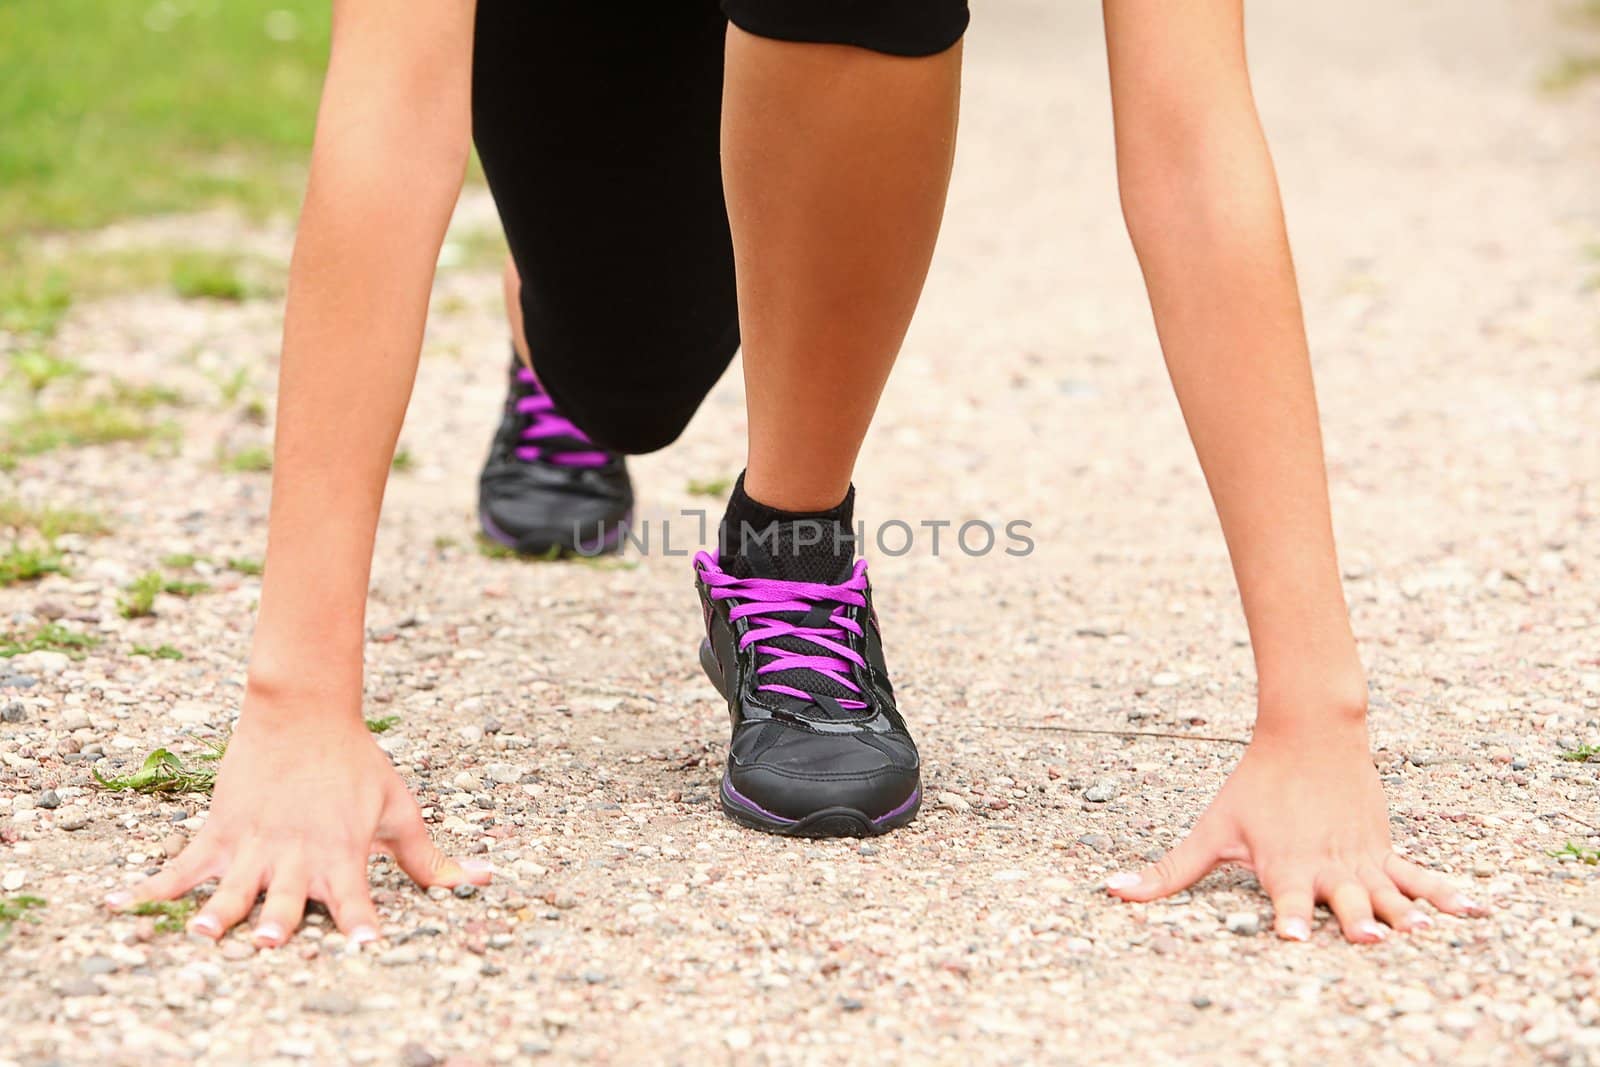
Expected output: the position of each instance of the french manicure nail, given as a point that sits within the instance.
(205, 924)
(362, 935)
(1470, 906)
(1123, 880)
(269, 932)
(119, 900)
(478, 866)
(1419, 920)
(1296, 930)
(1373, 929)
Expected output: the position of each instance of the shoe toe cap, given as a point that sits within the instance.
(791, 774)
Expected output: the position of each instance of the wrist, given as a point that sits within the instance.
(1314, 702)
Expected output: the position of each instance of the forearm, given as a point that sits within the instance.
(1202, 206)
(383, 182)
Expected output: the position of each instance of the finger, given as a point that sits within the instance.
(1391, 905)
(193, 865)
(1352, 906)
(428, 865)
(232, 901)
(348, 895)
(1293, 903)
(284, 907)
(1420, 884)
(1179, 869)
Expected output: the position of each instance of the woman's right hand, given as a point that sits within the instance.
(299, 807)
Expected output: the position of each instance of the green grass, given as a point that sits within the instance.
(51, 522)
(1591, 856)
(384, 724)
(185, 589)
(206, 276)
(181, 560)
(1582, 754)
(29, 564)
(18, 907)
(80, 425)
(159, 652)
(51, 637)
(251, 567)
(140, 599)
(38, 370)
(715, 487)
(30, 305)
(164, 771)
(113, 109)
(403, 461)
(254, 460)
(171, 915)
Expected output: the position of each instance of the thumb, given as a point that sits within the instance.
(428, 865)
(1190, 861)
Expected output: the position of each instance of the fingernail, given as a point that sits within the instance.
(1123, 880)
(1373, 929)
(119, 900)
(1296, 930)
(362, 935)
(1470, 906)
(477, 866)
(1419, 920)
(269, 932)
(205, 924)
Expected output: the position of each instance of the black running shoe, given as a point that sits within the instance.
(545, 486)
(819, 749)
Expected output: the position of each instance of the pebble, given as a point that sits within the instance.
(74, 719)
(504, 773)
(82, 986)
(49, 800)
(414, 1055)
(1101, 791)
(400, 956)
(14, 712)
(235, 949)
(1166, 679)
(73, 818)
(44, 662)
(13, 880)
(1243, 923)
(94, 965)
(331, 1003)
(1098, 842)
(954, 802)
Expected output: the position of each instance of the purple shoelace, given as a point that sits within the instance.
(821, 623)
(551, 430)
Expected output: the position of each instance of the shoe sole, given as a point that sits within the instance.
(559, 547)
(828, 822)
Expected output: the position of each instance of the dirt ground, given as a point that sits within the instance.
(553, 715)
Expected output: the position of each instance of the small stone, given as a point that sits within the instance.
(73, 818)
(438, 892)
(80, 987)
(470, 734)
(738, 1040)
(95, 965)
(1101, 792)
(42, 662)
(1243, 923)
(465, 890)
(74, 719)
(235, 950)
(850, 1004)
(504, 773)
(331, 1003)
(400, 956)
(1200, 1001)
(414, 1055)
(564, 899)
(1519, 764)
(1422, 759)
(49, 800)
(954, 802)
(593, 977)
(14, 712)
(13, 880)
(1098, 842)
(466, 781)
(1165, 679)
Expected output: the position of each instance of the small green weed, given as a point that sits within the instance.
(1591, 856)
(29, 564)
(171, 915)
(159, 652)
(51, 637)
(18, 907)
(256, 460)
(207, 276)
(164, 771)
(384, 724)
(244, 565)
(51, 522)
(38, 369)
(140, 601)
(714, 487)
(403, 461)
(1582, 754)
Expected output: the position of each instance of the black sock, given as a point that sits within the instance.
(803, 546)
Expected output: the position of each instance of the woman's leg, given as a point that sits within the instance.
(835, 164)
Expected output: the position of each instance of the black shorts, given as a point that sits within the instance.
(599, 135)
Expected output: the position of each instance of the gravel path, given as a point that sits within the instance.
(553, 714)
